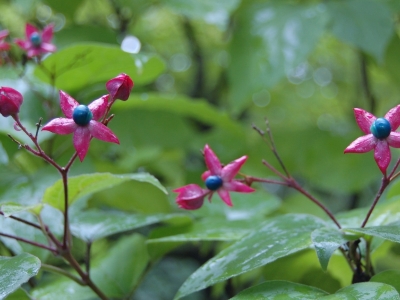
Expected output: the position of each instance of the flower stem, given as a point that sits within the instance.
(384, 184)
(56, 270)
(29, 242)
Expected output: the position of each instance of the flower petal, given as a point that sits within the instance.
(393, 116)
(229, 171)
(3, 33)
(29, 29)
(224, 194)
(382, 155)
(237, 186)
(364, 119)
(32, 52)
(22, 44)
(363, 144)
(61, 126)
(67, 104)
(394, 139)
(47, 47)
(98, 107)
(47, 33)
(190, 196)
(212, 161)
(81, 141)
(102, 132)
(205, 175)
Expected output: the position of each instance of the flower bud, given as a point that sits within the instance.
(10, 101)
(120, 87)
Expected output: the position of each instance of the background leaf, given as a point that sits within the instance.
(14, 271)
(84, 185)
(269, 241)
(363, 23)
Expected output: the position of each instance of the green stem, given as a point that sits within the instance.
(60, 271)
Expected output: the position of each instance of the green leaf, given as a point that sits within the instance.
(366, 291)
(66, 8)
(199, 109)
(69, 290)
(270, 39)
(290, 290)
(213, 12)
(280, 290)
(269, 241)
(118, 272)
(11, 208)
(326, 241)
(84, 185)
(390, 277)
(3, 155)
(207, 229)
(11, 227)
(366, 24)
(391, 233)
(92, 225)
(14, 271)
(80, 65)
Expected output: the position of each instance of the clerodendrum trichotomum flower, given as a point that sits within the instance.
(10, 101)
(380, 134)
(82, 120)
(217, 179)
(120, 87)
(37, 43)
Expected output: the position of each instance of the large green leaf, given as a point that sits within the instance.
(366, 24)
(14, 271)
(273, 239)
(118, 272)
(80, 65)
(182, 105)
(391, 232)
(205, 230)
(366, 291)
(92, 225)
(85, 185)
(290, 290)
(390, 277)
(280, 290)
(270, 40)
(326, 241)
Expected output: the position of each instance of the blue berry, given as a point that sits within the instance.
(381, 128)
(82, 115)
(213, 182)
(35, 38)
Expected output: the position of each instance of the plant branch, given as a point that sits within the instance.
(384, 184)
(56, 270)
(39, 245)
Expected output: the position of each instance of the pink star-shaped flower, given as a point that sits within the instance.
(190, 196)
(380, 134)
(37, 43)
(217, 179)
(82, 120)
(220, 179)
(3, 45)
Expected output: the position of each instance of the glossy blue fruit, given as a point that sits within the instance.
(35, 38)
(82, 115)
(213, 182)
(381, 128)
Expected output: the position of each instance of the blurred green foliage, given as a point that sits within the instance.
(204, 72)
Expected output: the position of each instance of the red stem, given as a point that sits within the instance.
(29, 242)
(385, 183)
